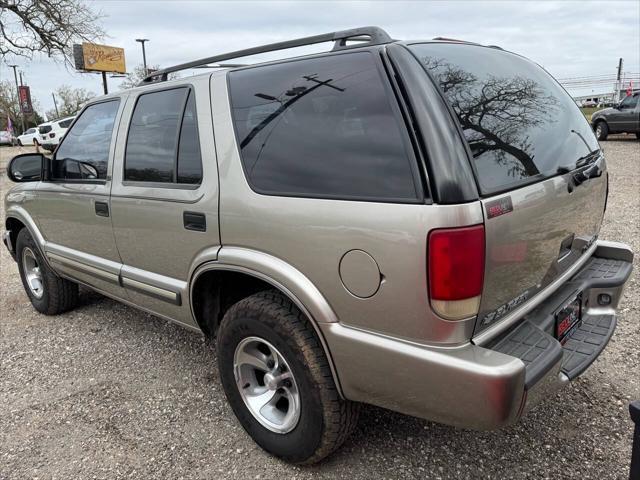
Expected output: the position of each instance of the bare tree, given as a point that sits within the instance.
(46, 26)
(138, 74)
(70, 101)
(496, 113)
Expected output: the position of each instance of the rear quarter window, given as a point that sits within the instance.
(520, 125)
(321, 127)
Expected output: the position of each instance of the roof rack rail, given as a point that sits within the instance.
(367, 35)
(455, 40)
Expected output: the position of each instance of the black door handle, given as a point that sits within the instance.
(102, 209)
(195, 221)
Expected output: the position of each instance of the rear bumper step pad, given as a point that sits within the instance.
(586, 343)
(604, 272)
(533, 340)
(538, 350)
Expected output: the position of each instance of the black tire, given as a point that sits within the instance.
(638, 135)
(325, 420)
(58, 294)
(602, 130)
(20, 143)
(36, 143)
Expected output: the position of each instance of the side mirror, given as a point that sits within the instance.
(88, 171)
(26, 167)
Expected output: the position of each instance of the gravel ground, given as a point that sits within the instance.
(106, 391)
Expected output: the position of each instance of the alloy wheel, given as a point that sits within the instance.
(266, 385)
(32, 272)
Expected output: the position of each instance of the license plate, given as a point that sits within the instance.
(568, 318)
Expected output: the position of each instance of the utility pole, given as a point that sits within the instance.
(619, 81)
(144, 54)
(55, 104)
(104, 82)
(15, 75)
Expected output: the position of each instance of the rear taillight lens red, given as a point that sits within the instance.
(456, 270)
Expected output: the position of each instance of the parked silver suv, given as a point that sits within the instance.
(407, 224)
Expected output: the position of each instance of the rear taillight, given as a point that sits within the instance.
(456, 271)
(51, 135)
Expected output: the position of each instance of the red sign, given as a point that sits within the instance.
(25, 99)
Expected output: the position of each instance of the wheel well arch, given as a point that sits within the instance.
(214, 291)
(215, 288)
(14, 226)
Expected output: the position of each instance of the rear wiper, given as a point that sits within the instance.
(581, 138)
(585, 160)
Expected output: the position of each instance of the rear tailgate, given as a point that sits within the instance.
(547, 231)
(537, 164)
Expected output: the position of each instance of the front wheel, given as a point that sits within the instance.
(49, 293)
(602, 131)
(278, 380)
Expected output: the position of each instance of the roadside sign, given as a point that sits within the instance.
(99, 58)
(24, 94)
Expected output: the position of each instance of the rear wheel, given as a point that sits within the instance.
(35, 143)
(49, 294)
(602, 130)
(20, 143)
(278, 381)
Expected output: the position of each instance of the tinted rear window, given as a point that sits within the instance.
(44, 129)
(519, 123)
(321, 127)
(163, 144)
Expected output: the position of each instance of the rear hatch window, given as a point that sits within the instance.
(44, 129)
(521, 126)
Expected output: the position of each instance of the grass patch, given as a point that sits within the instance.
(588, 111)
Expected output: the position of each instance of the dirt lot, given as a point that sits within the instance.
(106, 391)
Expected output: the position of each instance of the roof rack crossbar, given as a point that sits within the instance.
(368, 35)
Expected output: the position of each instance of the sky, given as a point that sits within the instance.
(569, 38)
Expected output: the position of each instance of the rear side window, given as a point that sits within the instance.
(84, 151)
(163, 144)
(320, 127)
(189, 162)
(521, 126)
(630, 101)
